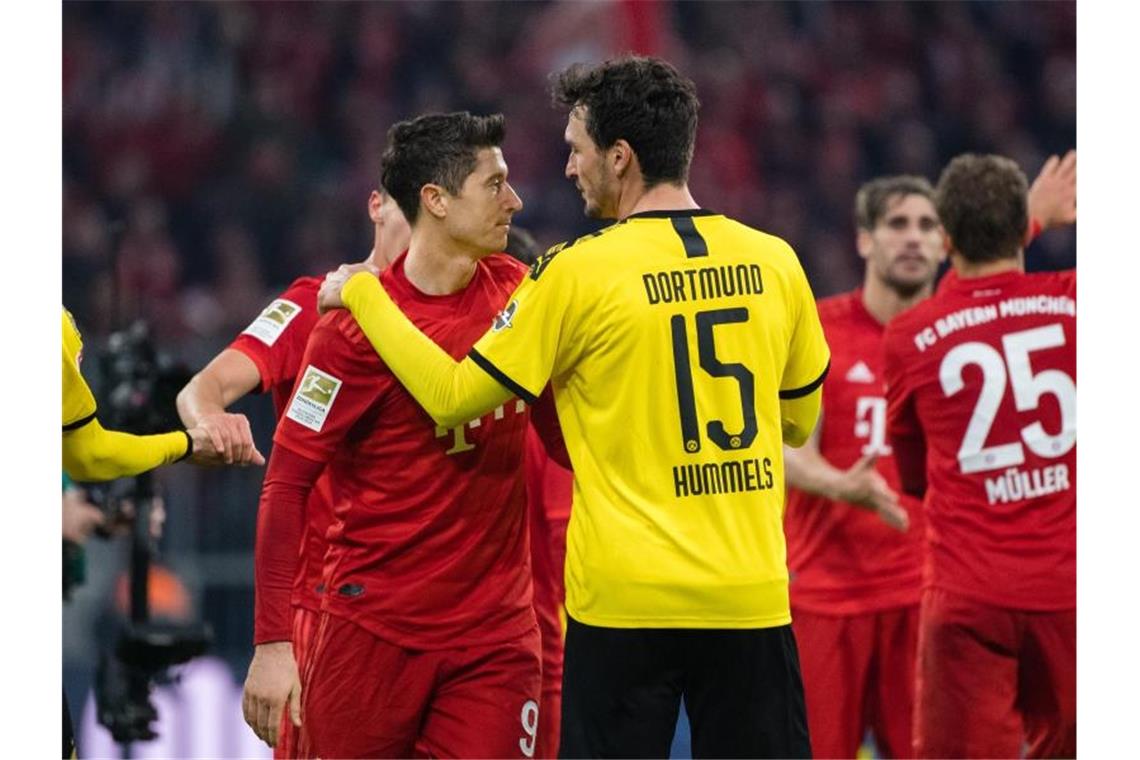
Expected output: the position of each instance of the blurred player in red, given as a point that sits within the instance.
(427, 643)
(855, 567)
(854, 544)
(981, 416)
(267, 357)
(548, 494)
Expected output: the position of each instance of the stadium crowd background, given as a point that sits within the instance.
(212, 152)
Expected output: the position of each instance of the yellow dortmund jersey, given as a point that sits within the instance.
(78, 403)
(669, 339)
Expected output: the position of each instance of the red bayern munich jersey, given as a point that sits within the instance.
(275, 343)
(429, 546)
(844, 560)
(983, 375)
(549, 489)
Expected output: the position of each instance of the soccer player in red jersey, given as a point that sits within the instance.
(549, 483)
(855, 612)
(548, 489)
(981, 416)
(855, 565)
(267, 357)
(427, 641)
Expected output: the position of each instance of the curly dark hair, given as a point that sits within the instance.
(982, 201)
(643, 101)
(438, 149)
(871, 200)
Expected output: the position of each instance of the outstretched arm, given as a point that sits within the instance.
(860, 484)
(228, 377)
(450, 392)
(93, 454)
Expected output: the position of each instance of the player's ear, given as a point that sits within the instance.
(863, 242)
(375, 201)
(621, 157)
(433, 199)
(947, 243)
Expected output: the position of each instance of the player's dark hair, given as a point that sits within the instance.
(522, 246)
(873, 197)
(982, 201)
(643, 101)
(438, 149)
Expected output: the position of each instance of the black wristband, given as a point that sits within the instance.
(189, 446)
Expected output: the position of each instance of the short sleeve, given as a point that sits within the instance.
(339, 380)
(78, 401)
(275, 341)
(533, 337)
(808, 354)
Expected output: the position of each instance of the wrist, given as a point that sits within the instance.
(1035, 229)
(189, 446)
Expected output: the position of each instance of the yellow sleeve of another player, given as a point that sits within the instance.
(78, 402)
(92, 454)
(450, 392)
(809, 359)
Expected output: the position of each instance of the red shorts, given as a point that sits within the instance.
(305, 623)
(365, 697)
(858, 673)
(991, 680)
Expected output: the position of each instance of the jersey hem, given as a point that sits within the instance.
(514, 628)
(601, 621)
(998, 601)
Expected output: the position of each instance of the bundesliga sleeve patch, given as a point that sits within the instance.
(272, 321)
(505, 317)
(314, 398)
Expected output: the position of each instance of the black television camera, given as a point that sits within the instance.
(139, 389)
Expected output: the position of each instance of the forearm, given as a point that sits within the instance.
(798, 417)
(280, 524)
(92, 454)
(450, 392)
(223, 381)
(806, 469)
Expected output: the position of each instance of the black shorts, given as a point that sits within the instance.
(622, 689)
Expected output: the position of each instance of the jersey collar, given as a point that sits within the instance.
(670, 213)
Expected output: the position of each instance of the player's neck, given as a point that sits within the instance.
(967, 270)
(884, 303)
(436, 268)
(664, 197)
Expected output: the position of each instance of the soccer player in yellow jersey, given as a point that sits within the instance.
(683, 349)
(91, 453)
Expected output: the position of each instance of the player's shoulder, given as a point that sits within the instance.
(837, 307)
(763, 243)
(338, 331)
(1063, 281)
(917, 316)
(303, 291)
(504, 268)
(575, 252)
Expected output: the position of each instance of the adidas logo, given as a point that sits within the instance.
(860, 373)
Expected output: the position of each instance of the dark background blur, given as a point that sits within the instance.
(212, 152)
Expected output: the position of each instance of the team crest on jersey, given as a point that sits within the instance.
(860, 373)
(273, 320)
(505, 317)
(314, 398)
